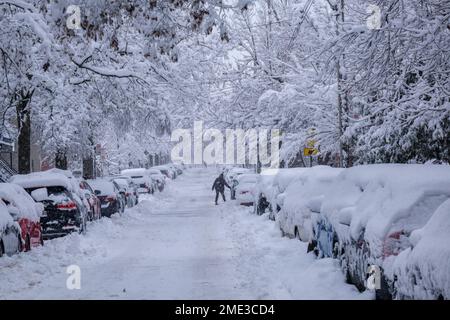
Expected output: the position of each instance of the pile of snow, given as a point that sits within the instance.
(423, 271)
(20, 199)
(303, 197)
(276, 267)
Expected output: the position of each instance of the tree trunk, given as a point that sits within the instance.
(23, 113)
(88, 168)
(61, 160)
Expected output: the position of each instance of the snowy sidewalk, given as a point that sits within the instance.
(177, 245)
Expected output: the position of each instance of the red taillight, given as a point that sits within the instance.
(394, 243)
(67, 206)
(111, 198)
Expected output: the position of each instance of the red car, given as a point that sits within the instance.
(26, 212)
(95, 210)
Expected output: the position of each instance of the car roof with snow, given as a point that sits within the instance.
(384, 197)
(154, 171)
(121, 182)
(161, 167)
(134, 172)
(248, 178)
(41, 179)
(19, 198)
(105, 187)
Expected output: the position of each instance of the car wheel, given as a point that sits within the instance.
(297, 234)
(27, 243)
(41, 240)
(19, 245)
(2, 251)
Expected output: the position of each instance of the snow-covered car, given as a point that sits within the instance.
(303, 198)
(75, 187)
(64, 212)
(166, 170)
(133, 188)
(126, 188)
(111, 199)
(158, 177)
(10, 233)
(264, 190)
(422, 270)
(245, 188)
(178, 167)
(25, 211)
(270, 189)
(370, 213)
(141, 179)
(94, 205)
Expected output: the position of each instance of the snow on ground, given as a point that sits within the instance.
(177, 245)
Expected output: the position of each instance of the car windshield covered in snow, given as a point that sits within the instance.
(104, 186)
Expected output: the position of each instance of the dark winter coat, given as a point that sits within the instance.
(219, 184)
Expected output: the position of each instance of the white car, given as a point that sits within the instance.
(141, 179)
(234, 172)
(303, 198)
(245, 188)
(158, 177)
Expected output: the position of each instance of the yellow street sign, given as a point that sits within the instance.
(310, 152)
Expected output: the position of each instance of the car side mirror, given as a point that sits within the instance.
(97, 192)
(87, 195)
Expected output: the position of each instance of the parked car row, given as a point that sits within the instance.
(44, 205)
(387, 219)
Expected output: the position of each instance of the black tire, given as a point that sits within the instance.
(28, 243)
(41, 240)
(386, 291)
(312, 246)
(19, 246)
(297, 234)
(2, 250)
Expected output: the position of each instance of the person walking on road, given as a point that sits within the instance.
(219, 185)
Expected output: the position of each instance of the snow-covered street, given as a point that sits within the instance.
(177, 245)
